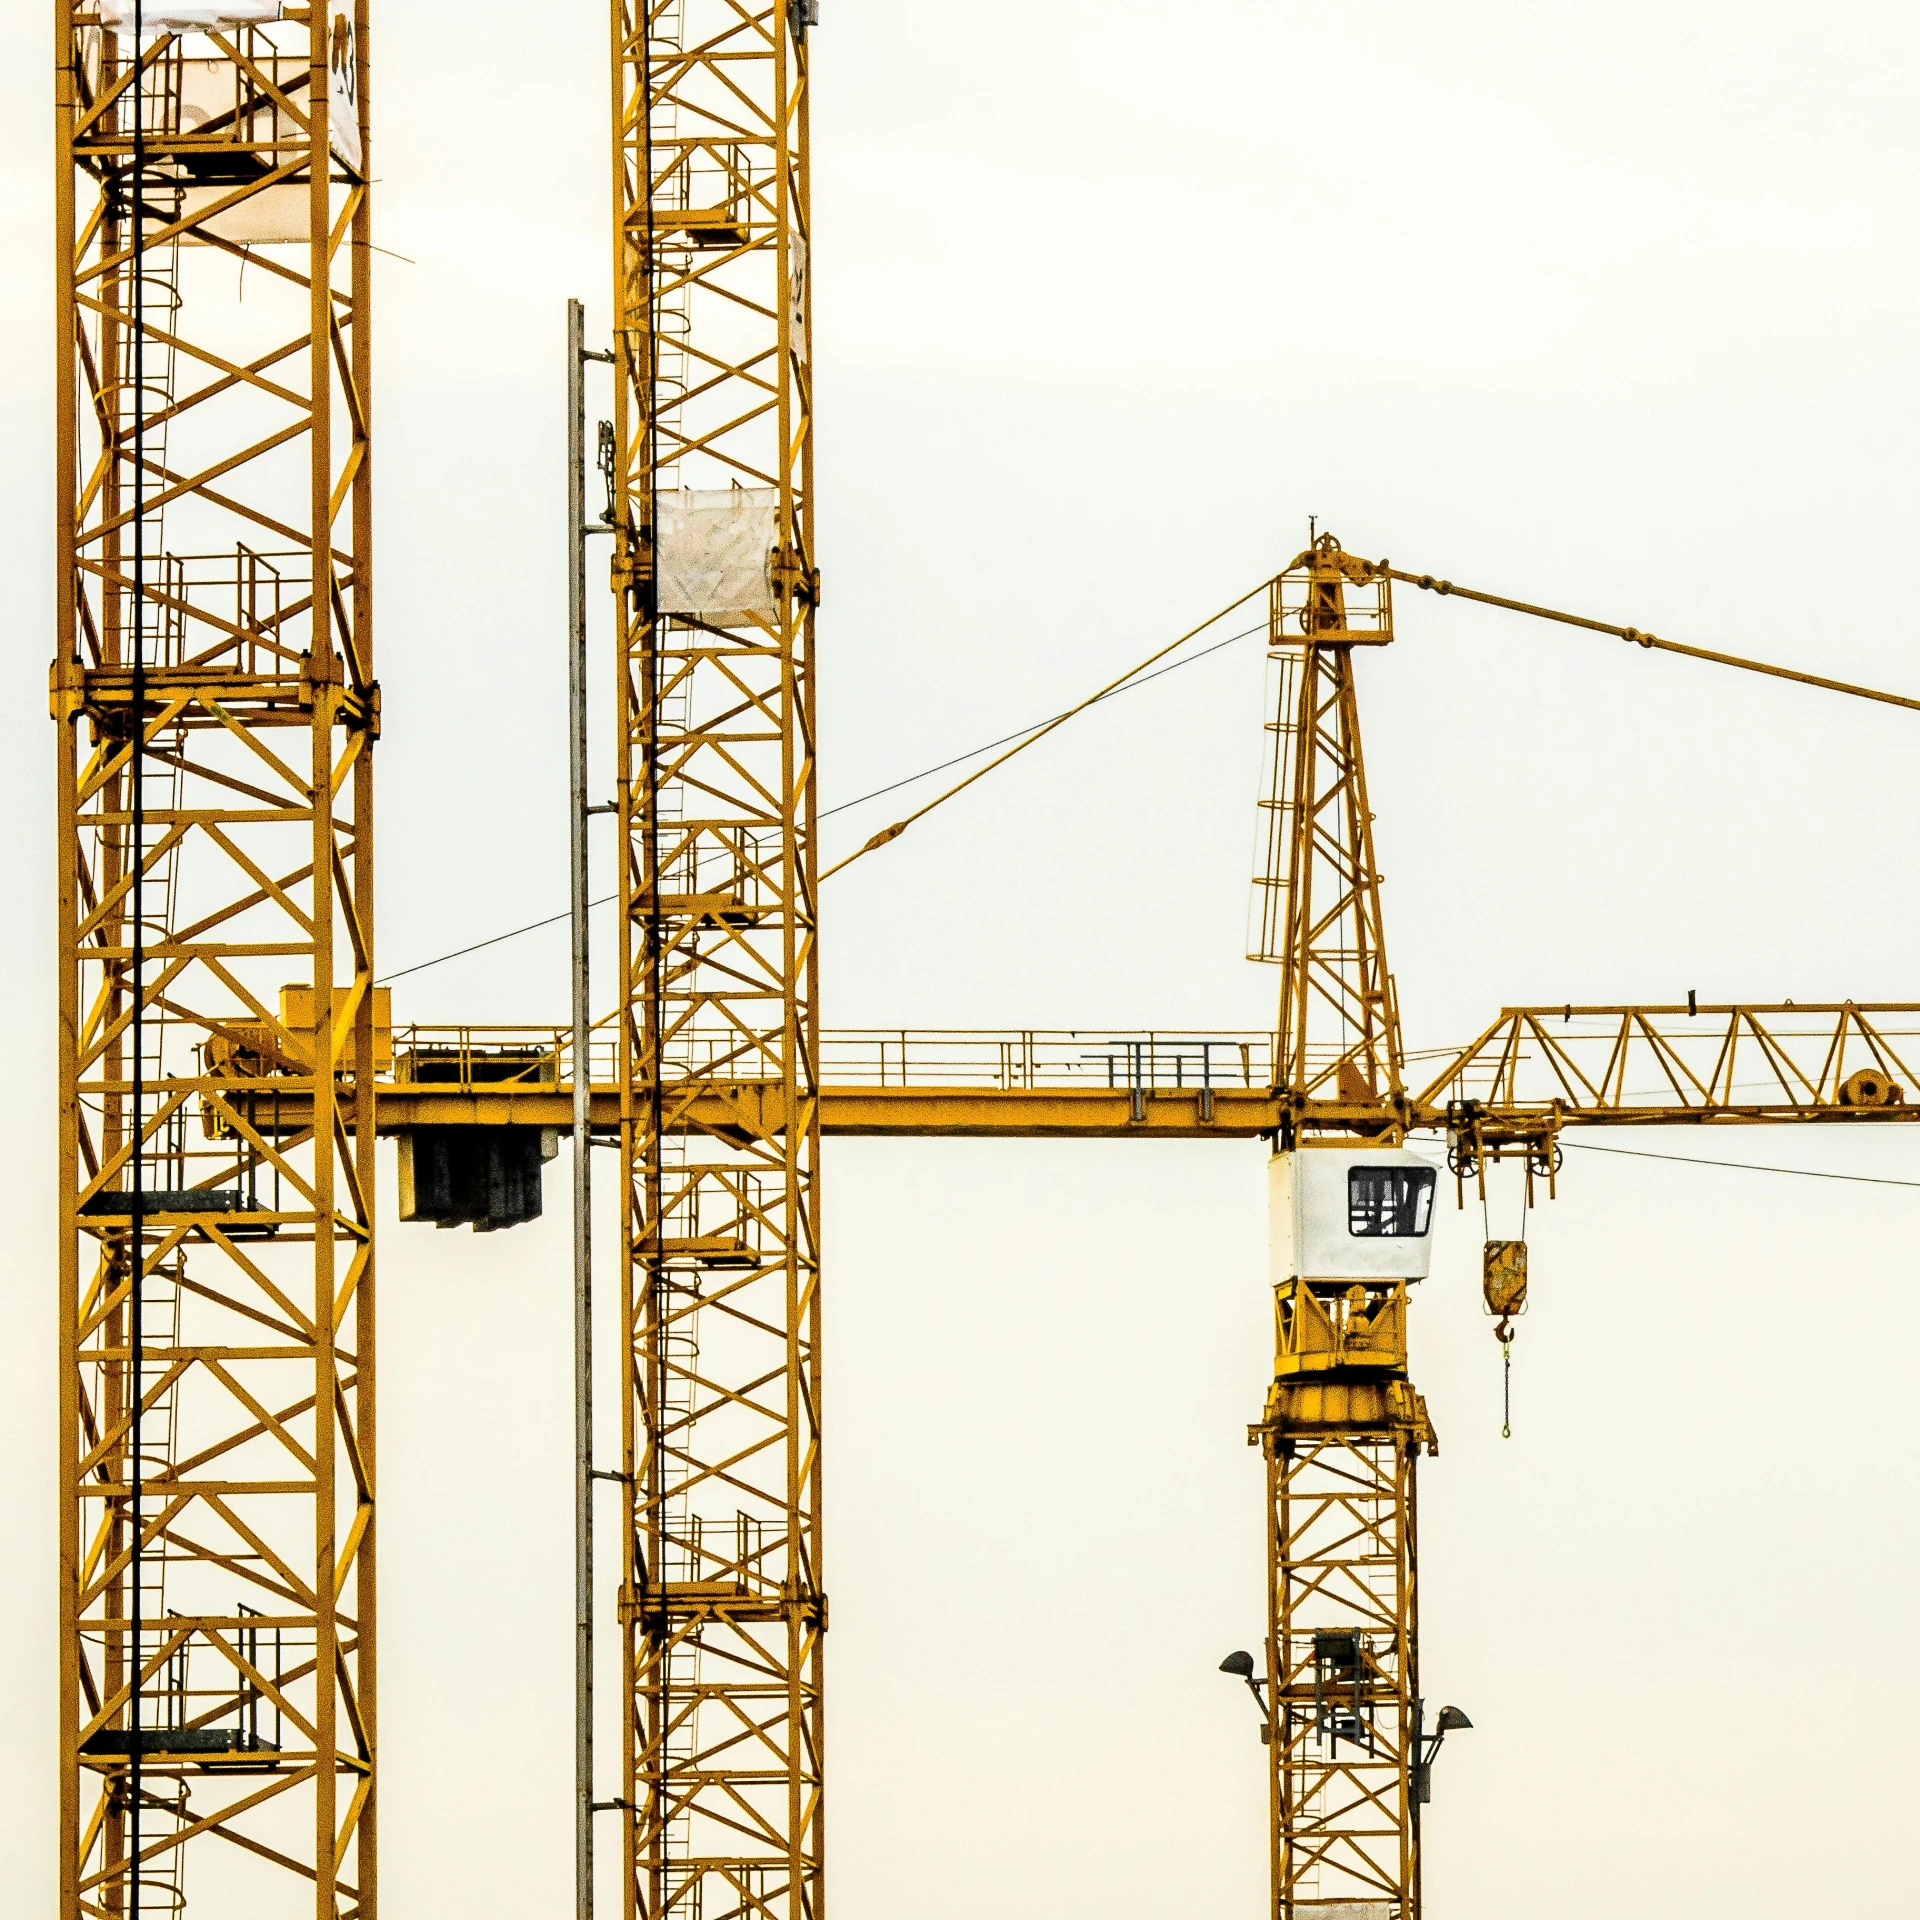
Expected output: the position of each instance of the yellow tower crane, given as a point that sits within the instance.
(226, 1059)
(1348, 1738)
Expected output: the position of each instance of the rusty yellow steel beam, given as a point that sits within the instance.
(1533, 1068)
(1020, 1113)
(1656, 1065)
(955, 1112)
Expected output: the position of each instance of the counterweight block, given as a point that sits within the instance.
(483, 1177)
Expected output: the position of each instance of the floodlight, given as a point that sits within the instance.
(1427, 1745)
(1240, 1667)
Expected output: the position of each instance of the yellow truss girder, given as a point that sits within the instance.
(1533, 1072)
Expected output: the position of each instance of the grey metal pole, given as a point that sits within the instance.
(582, 1136)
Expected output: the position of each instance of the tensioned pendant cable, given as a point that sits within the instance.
(1128, 683)
(1634, 636)
(1021, 738)
(1132, 684)
(1132, 677)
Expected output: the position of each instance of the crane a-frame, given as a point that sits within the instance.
(226, 1060)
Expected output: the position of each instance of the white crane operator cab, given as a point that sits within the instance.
(1350, 1213)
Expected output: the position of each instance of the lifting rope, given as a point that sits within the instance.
(1503, 1288)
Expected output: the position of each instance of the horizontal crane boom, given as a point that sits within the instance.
(1534, 1070)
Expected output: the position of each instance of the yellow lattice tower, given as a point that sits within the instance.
(212, 684)
(1351, 1208)
(711, 475)
(1317, 898)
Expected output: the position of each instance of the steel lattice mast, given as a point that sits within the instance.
(710, 483)
(1318, 900)
(216, 711)
(1342, 1426)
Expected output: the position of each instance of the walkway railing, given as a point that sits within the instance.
(1023, 1059)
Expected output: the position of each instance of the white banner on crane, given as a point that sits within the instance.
(215, 16)
(716, 555)
(343, 80)
(187, 16)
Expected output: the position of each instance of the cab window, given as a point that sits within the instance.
(1389, 1202)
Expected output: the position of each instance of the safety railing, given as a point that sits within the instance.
(461, 1057)
(1029, 1059)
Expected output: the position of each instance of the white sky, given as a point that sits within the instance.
(1109, 299)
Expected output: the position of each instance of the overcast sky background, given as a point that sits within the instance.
(1611, 310)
